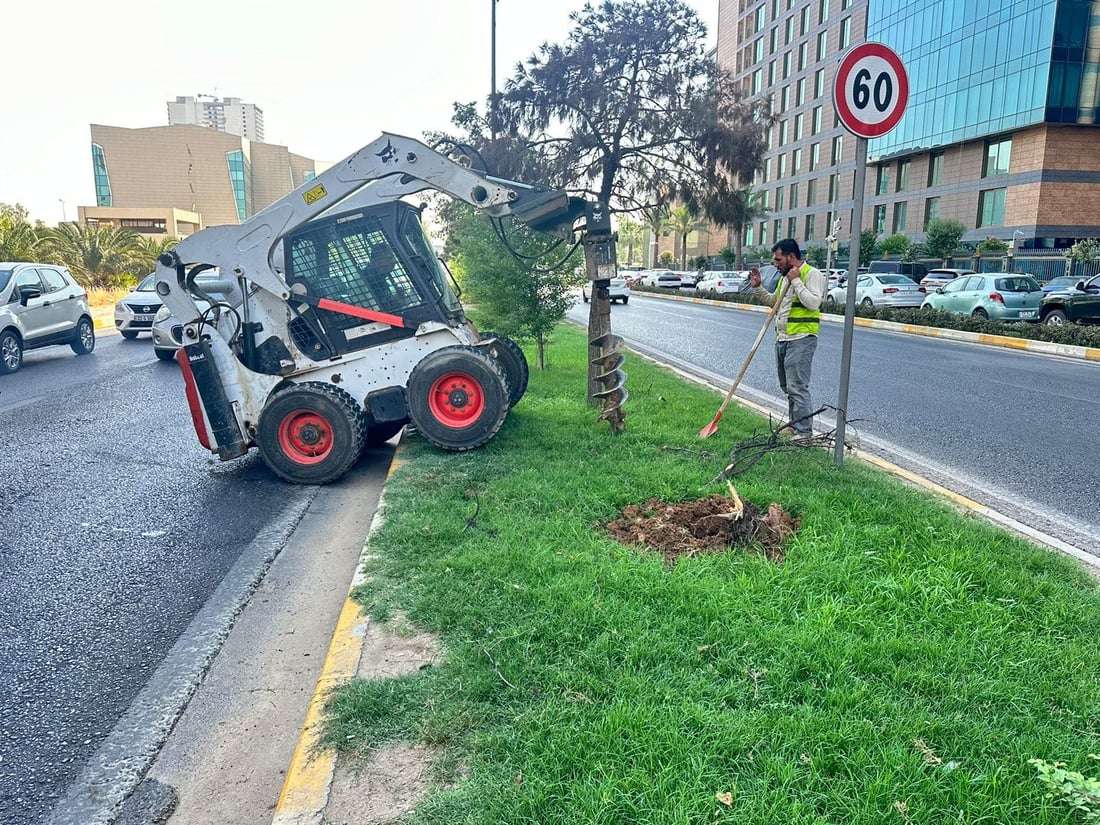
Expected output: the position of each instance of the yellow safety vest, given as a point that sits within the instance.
(801, 319)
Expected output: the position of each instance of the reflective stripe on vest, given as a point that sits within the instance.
(801, 320)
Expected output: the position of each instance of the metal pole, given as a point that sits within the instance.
(493, 81)
(850, 305)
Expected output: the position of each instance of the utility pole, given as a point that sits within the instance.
(493, 81)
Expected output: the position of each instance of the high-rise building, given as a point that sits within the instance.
(141, 175)
(1000, 132)
(225, 115)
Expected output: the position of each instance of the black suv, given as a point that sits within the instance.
(910, 269)
(1081, 304)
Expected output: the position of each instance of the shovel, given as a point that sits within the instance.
(712, 427)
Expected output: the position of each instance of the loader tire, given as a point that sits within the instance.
(457, 398)
(510, 357)
(311, 433)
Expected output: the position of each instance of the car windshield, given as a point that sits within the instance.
(1018, 284)
(147, 283)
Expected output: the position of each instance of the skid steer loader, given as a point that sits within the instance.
(342, 325)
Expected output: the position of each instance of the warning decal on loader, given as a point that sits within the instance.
(315, 194)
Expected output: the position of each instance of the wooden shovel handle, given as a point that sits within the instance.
(755, 346)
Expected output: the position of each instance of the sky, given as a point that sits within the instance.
(329, 75)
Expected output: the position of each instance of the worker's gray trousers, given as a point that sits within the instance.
(794, 360)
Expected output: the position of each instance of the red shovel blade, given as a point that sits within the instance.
(712, 427)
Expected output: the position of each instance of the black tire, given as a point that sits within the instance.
(84, 338)
(1055, 318)
(625, 299)
(129, 334)
(378, 434)
(867, 302)
(980, 314)
(829, 299)
(11, 352)
(165, 354)
(311, 433)
(510, 357)
(457, 398)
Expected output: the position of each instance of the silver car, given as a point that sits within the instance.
(134, 313)
(41, 305)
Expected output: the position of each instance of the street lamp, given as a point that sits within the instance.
(1012, 249)
(62, 202)
(493, 81)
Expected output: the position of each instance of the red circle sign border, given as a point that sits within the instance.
(847, 117)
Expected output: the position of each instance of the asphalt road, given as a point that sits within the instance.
(1010, 429)
(116, 530)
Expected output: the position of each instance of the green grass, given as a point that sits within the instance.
(901, 665)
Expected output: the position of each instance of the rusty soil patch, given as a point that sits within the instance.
(708, 525)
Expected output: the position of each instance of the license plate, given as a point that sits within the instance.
(145, 319)
(1027, 313)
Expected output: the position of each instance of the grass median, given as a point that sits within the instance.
(901, 663)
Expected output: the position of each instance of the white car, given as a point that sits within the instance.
(663, 278)
(166, 328)
(617, 290)
(880, 289)
(135, 312)
(836, 277)
(723, 283)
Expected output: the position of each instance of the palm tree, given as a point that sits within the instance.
(149, 249)
(630, 234)
(18, 240)
(94, 253)
(655, 217)
(682, 221)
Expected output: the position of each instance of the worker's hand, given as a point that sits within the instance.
(754, 277)
(793, 275)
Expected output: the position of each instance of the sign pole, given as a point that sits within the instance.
(850, 299)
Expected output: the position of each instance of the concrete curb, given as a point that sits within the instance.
(305, 792)
(1043, 347)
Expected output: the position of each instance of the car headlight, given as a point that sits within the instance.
(163, 314)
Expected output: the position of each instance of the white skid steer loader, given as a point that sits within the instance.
(340, 325)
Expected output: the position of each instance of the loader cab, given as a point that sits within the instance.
(375, 264)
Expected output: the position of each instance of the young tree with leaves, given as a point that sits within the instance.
(631, 234)
(942, 238)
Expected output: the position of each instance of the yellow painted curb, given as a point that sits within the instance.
(309, 777)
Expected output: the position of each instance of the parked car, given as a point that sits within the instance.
(996, 296)
(1080, 305)
(880, 289)
(41, 305)
(618, 290)
(664, 278)
(723, 283)
(941, 277)
(168, 331)
(910, 269)
(1063, 283)
(134, 313)
(688, 279)
(836, 277)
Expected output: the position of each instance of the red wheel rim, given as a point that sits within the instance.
(305, 437)
(456, 399)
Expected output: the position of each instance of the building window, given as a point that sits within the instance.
(823, 10)
(771, 73)
(785, 99)
(757, 82)
(935, 168)
(838, 149)
(775, 42)
(997, 155)
(819, 83)
(805, 25)
(790, 31)
(761, 18)
(816, 126)
(809, 227)
(783, 133)
(775, 9)
(882, 179)
(800, 97)
(880, 219)
(845, 5)
(780, 192)
(102, 179)
(239, 174)
(763, 234)
(758, 50)
(822, 45)
(803, 56)
(777, 227)
(991, 207)
(794, 196)
(792, 226)
(767, 170)
(845, 32)
(834, 188)
(798, 127)
(931, 211)
(811, 191)
(786, 65)
(900, 211)
(903, 176)
(815, 157)
(796, 161)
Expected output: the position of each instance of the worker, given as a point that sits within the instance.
(796, 326)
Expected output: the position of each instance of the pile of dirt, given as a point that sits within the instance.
(707, 525)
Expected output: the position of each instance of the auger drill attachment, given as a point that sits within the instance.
(605, 378)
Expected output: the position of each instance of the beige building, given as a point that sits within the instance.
(183, 178)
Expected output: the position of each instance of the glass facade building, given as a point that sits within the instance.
(984, 67)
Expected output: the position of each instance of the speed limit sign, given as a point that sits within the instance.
(870, 90)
